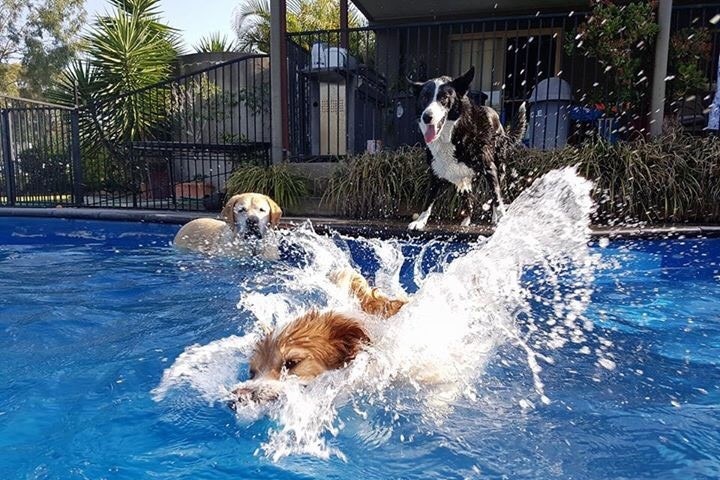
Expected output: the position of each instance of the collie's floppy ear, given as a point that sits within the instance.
(275, 212)
(462, 83)
(416, 86)
(228, 214)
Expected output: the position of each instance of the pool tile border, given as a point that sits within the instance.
(382, 229)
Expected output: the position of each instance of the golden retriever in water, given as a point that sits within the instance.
(242, 230)
(313, 343)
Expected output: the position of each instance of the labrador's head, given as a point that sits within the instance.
(251, 214)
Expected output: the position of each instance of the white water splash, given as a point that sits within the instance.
(210, 369)
(437, 347)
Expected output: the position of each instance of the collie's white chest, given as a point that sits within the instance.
(445, 166)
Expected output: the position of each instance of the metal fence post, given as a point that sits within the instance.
(7, 153)
(77, 170)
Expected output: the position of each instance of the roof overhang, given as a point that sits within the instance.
(381, 11)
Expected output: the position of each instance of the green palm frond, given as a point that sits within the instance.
(216, 42)
(129, 49)
(252, 20)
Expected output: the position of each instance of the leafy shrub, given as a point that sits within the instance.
(619, 35)
(675, 178)
(377, 186)
(44, 172)
(389, 184)
(279, 182)
(690, 48)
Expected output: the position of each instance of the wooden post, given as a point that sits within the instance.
(278, 80)
(344, 40)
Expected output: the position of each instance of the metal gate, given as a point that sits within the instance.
(39, 154)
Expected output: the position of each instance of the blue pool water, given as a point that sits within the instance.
(92, 313)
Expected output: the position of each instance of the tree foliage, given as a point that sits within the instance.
(126, 50)
(252, 21)
(131, 48)
(40, 36)
(620, 37)
(216, 42)
(10, 79)
(690, 49)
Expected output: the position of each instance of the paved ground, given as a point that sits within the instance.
(352, 227)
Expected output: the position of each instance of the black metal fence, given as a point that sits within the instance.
(39, 145)
(174, 145)
(353, 98)
(169, 146)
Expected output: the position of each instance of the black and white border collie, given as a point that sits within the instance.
(463, 140)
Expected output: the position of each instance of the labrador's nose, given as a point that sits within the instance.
(253, 225)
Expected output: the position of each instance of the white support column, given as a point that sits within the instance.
(662, 48)
(278, 95)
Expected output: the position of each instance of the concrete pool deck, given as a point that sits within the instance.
(376, 228)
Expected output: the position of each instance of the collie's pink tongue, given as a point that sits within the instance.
(430, 133)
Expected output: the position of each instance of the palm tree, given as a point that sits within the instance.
(252, 24)
(216, 42)
(130, 47)
(252, 20)
(127, 50)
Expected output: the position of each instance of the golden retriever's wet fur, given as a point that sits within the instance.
(315, 342)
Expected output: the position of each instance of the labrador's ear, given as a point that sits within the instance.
(462, 83)
(228, 215)
(275, 212)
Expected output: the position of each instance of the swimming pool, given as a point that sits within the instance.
(93, 313)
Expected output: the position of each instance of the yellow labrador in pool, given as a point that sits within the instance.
(244, 229)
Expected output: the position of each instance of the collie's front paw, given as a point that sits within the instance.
(421, 220)
(498, 213)
(418, 224)
(465, 222)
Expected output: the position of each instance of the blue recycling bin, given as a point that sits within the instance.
(549, 121)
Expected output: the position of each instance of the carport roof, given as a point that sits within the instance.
(398, 10)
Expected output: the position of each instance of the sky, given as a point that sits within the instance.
(194, 18)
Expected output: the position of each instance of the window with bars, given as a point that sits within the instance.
(508, 64)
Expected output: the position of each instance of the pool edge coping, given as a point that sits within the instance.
(325, 225)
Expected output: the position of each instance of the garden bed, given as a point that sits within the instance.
(672, 179)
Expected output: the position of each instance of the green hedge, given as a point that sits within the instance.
(675, 178)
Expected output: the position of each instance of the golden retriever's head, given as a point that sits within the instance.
(310, 345)
(251, 214)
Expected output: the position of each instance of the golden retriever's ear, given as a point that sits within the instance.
(227, 214)
(275, 212)
(348, 338)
